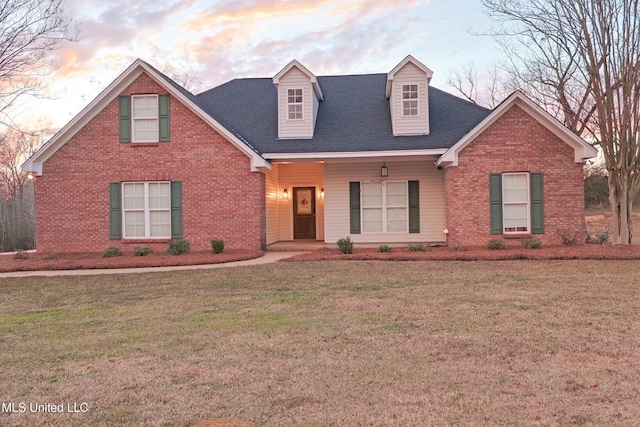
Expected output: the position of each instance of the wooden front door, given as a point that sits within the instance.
(304, 213)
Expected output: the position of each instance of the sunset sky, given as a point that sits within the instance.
(217, 40)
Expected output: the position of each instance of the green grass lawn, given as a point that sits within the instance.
(328, 343)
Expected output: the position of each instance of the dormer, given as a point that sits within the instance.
(299, 97)
(407, 90)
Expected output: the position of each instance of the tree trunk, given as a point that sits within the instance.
(621, 207)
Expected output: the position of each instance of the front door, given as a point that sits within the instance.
(304, 213)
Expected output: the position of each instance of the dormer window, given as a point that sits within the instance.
(294, 104)
(145, 118)
(410, 100)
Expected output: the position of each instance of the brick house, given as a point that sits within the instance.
(382, 158)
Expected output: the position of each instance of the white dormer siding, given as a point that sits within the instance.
(292, 81)
(408, 93)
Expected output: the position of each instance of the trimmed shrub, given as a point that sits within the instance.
(345, 245)
(141, 251)
(531, 242)
(567, 238)
(416, 247)
(458, 247)
(178, 247)
(217, 246)
(497, 244)
(49, 256)
(602, 235)
(20, 254)
(111, 251)
(384, 248)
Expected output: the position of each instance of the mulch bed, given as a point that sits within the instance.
(77, 261)
(590, 251)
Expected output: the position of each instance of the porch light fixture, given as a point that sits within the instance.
(322, 193)
(384, 171)
(285, 194)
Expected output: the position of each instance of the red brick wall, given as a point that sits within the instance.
(514, 143)
(222, 198)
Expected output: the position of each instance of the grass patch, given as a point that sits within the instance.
(416, 343)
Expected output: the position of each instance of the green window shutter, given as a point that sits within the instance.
(115, 215)
(163, 118)
(176, 210)
(354, 207)
(537, 203)
(124, 110)
(414, 207)
(495, 197)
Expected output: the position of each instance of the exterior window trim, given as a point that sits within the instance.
(147, 211)
(385, 207)
(295, 103)
(135, 119)
(406, 100)
(527, 204)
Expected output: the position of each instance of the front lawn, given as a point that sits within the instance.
(327, 343)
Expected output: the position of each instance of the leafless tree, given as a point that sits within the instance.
(488, 89)
(17, 198)
(581, 60)
(29, 31)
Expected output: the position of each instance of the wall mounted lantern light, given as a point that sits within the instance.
(384, 171)
(285, 194)
(322, 193)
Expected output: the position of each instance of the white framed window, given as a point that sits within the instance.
(144, 118)
(515, 203)
(146, 210)
(294, 104)
(410, 100)
(384, 206)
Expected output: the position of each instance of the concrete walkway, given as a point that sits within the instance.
(267, 258)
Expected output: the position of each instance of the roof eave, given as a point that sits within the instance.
(35, 163)
(582, 150)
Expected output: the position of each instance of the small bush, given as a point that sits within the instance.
(141, 251)
(217, 246)
(567, 238)
(531, 242)
(345, 245)
(384, 248)
(458, 247)
(20, 254)
(416, 247)
(497, 244)
(178, 247)
(602, 235)
(47, 257)
(111, 251)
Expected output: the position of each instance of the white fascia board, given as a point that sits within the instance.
(35, 162)
(354, 154)
(582, 150)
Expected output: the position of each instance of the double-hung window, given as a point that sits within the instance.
(384, 207)
(294, 104)
(145, 118)
(515, 203)
(146, 210)
(410, 100)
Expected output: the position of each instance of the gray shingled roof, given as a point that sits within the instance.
(354, 116)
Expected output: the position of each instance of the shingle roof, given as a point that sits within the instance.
(354, 116)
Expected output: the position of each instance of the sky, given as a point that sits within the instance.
(214, 41)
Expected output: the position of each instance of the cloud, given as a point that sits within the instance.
(243, 10)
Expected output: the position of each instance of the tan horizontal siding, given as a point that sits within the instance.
(403, 125)
(432, 219)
